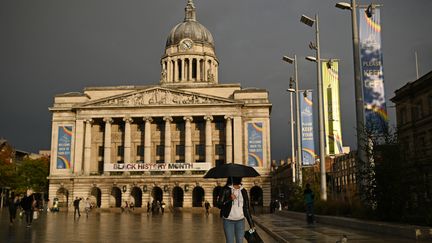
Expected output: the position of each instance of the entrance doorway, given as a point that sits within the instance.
(256, 194)
(157, 194)
(136, 194)
(115, 200)
(216, 192)
(197, 196)
(63, 197)
(177, 197)
(96, 196)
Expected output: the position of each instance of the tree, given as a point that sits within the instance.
(32, 174)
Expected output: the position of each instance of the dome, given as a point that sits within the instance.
(190, 28)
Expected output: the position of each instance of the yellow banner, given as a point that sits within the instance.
(332, 117)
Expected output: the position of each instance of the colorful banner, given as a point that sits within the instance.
(255, 143)
(307, 131)
(64, 143)
(371, 58)
(332, 117)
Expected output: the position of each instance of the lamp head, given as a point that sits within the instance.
(311, 58)
(329, 64)
(343, 5)
(369, 10)
(288, 59)
(306, 20)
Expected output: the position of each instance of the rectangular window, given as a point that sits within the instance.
(140, 127)
(160, 149)
(180, 150)
(120, 150)
(220, 126)
(160, 127)
(180, 127)
(403, 116)
(220, 149)
(220, 162)
(140, 150)
(101, 127)
(200, 149)
(199, 126)
(101, 151)
(121, 127)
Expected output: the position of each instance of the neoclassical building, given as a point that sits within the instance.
(145, 143)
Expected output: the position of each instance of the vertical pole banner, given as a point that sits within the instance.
(332, 118)
(64, 147)
(371, 58)
(255, 143)
(307, 133)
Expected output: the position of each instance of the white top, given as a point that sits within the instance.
(237, 205)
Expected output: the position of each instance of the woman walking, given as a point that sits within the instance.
(234, 204)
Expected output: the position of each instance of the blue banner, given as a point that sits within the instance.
(64, 147)
(307, 131)
(371, 58)
(255, 144)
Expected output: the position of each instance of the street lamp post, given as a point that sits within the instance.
(299, 173)
(310, 22)
(361, 141)
(293, 160)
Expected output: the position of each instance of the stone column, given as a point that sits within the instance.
(168, 121)
(205, 69)
(87, 145)
(79, 145)
(238, 140)
(190, 68)
(107, 141)
(228, 139)
(208, 139)
(127, 140)
(188, 139)
(183, 66)
(147, 139)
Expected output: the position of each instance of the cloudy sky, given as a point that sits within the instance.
(49, 47)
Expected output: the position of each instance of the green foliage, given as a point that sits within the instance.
(27, 174)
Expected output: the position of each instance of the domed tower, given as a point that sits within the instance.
(189, 57)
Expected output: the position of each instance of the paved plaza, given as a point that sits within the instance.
(177, 227)
(116, 227)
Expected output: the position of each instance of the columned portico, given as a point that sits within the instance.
(188, 139)
(87, 146)
(228, 139)
(147, 139)
(208, 139)
(167, 143)
(127, 139)
(107, 140)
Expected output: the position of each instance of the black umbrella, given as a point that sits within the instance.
(231, 170)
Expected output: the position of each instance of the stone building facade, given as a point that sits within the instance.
(146, 143)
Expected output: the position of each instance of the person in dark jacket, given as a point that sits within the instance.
(13, 206)
(27, 205)
(233, 201)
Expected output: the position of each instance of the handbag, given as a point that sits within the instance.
(35, 215)
(252, 236)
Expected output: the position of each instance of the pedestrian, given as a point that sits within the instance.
(207, 207)
(27, 204)
(76, 203)
(163, 207)
(132, 206)
(148, 207)
(13, 206)
(309, 201)
(87, 206)
(234, 204)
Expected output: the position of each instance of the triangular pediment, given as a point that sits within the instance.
(158, 96)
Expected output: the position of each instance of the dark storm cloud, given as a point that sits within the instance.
(51, 47)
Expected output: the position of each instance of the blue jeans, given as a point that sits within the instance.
(233, 229)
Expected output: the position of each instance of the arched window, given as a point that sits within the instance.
(194, 68)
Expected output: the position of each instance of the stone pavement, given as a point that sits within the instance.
(116, 227)
(286, 229)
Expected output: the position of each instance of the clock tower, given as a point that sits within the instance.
(189, 57)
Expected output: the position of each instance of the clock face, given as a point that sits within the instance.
(186, 44)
